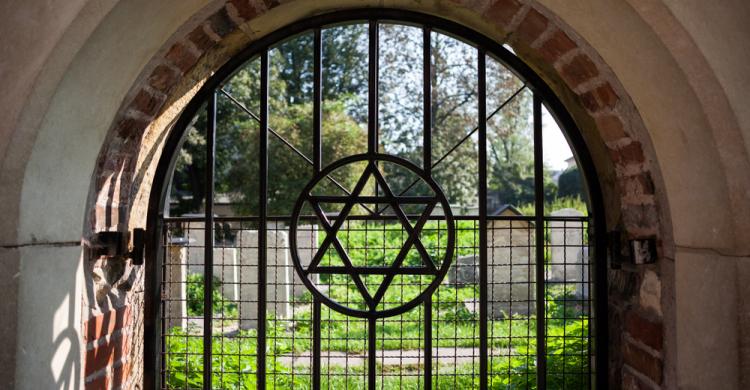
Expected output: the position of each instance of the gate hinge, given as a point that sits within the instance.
(115, 244)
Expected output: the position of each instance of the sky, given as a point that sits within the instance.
(554, 145)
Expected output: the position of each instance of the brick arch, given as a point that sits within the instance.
(610, 124)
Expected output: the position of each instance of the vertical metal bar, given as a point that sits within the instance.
(317, 98)
(317, 157)
(262, 228)
(372, 91)
(483, 268)
(371, 348)
(427, 164)
(541, 327)
(208, 258)
(427, 102)
(372, 86)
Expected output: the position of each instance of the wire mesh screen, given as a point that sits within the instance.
(453, 328)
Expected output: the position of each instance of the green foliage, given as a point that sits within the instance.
(455, 326)
(556, 204)
(570, 184)
(195, 293)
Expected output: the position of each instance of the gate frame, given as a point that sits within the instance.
(168, 158)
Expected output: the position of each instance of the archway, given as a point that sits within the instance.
(172, 320)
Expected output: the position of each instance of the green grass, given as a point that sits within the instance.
(454, 326)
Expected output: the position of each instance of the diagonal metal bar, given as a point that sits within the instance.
(393, 202)
(457, 145)
(344, 257)
(339, 220)
(411, 240)
(287, 143)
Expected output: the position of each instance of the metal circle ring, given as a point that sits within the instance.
(306, 196)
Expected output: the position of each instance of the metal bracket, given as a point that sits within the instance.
(636, 251)
(113, 244)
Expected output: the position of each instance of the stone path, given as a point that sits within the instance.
(442, 356)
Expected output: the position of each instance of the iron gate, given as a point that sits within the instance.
(369, 276)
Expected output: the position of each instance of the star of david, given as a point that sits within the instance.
(412, 241)
(394, 267)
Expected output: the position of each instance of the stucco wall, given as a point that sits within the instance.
(68, 70)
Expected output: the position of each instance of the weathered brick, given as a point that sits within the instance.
(610, 128)
(201, 39)
(129, 128)
(632, 382)
(531, 27)
(112, 380)
(181, 57)
(640, 217)
(221, 23)
(642, 361)
(640, 184)
(558, 44)
(246, 9)
(644, 330)
(579, 70)
(163, 78)
(106, 323)
(147, 102)
(631, 153)
(601, 97)
(106, 354)
(501, 13)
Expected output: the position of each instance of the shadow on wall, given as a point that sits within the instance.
(50, 288)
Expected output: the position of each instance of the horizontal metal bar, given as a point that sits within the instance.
(374, 270)
(372, 199)
(386, 217)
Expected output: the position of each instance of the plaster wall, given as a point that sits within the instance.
(68, 90)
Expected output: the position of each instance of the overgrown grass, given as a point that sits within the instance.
(454, 325)
(234, 357)
(556, 204)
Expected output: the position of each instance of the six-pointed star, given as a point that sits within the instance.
(390, 272)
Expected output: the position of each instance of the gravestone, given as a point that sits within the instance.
(175, 310)
(278, 276)
(568, 260)
(307, 246)
(463, 272)
(225, 261)
(512, 271)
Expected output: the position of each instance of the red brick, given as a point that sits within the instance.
(640, 216)
(113, 380)
(501, 13)
(201, 39)
(106, 323)
(631, 153)
(610, 128)
(644, 330)
(600, 98)
(579, 70)
(107, 354)
(220, 23)
(531, 27)
(147, 102)
(557, 45)
(181, 57)
(642, 361)
(163, 78)
(129, 128)
(632, 382)
(639, 185)
(245, 8)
